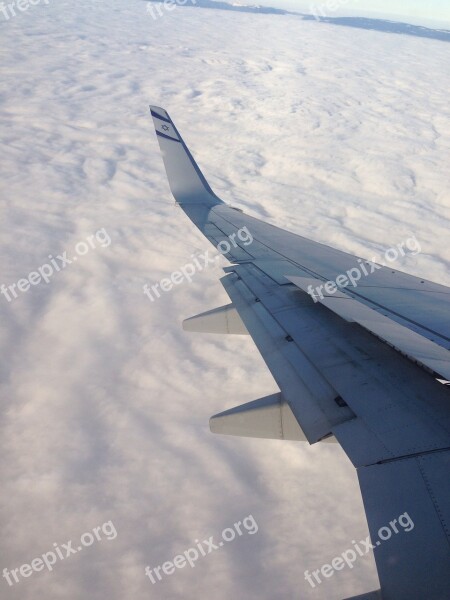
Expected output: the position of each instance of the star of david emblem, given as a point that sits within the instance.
(165, 128)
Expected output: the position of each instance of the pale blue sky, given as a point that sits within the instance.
(414, 11)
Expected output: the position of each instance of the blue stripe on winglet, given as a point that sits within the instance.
(159, 116)
(167, 137)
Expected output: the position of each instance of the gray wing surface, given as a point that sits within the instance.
(359, 367)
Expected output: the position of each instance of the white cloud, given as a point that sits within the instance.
(337, 134)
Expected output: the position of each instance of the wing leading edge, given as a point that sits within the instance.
(359, 367)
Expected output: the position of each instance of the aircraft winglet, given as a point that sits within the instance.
(187, 182)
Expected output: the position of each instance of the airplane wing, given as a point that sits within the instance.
(361, 365)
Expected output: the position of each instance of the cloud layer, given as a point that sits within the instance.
(340, 135)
